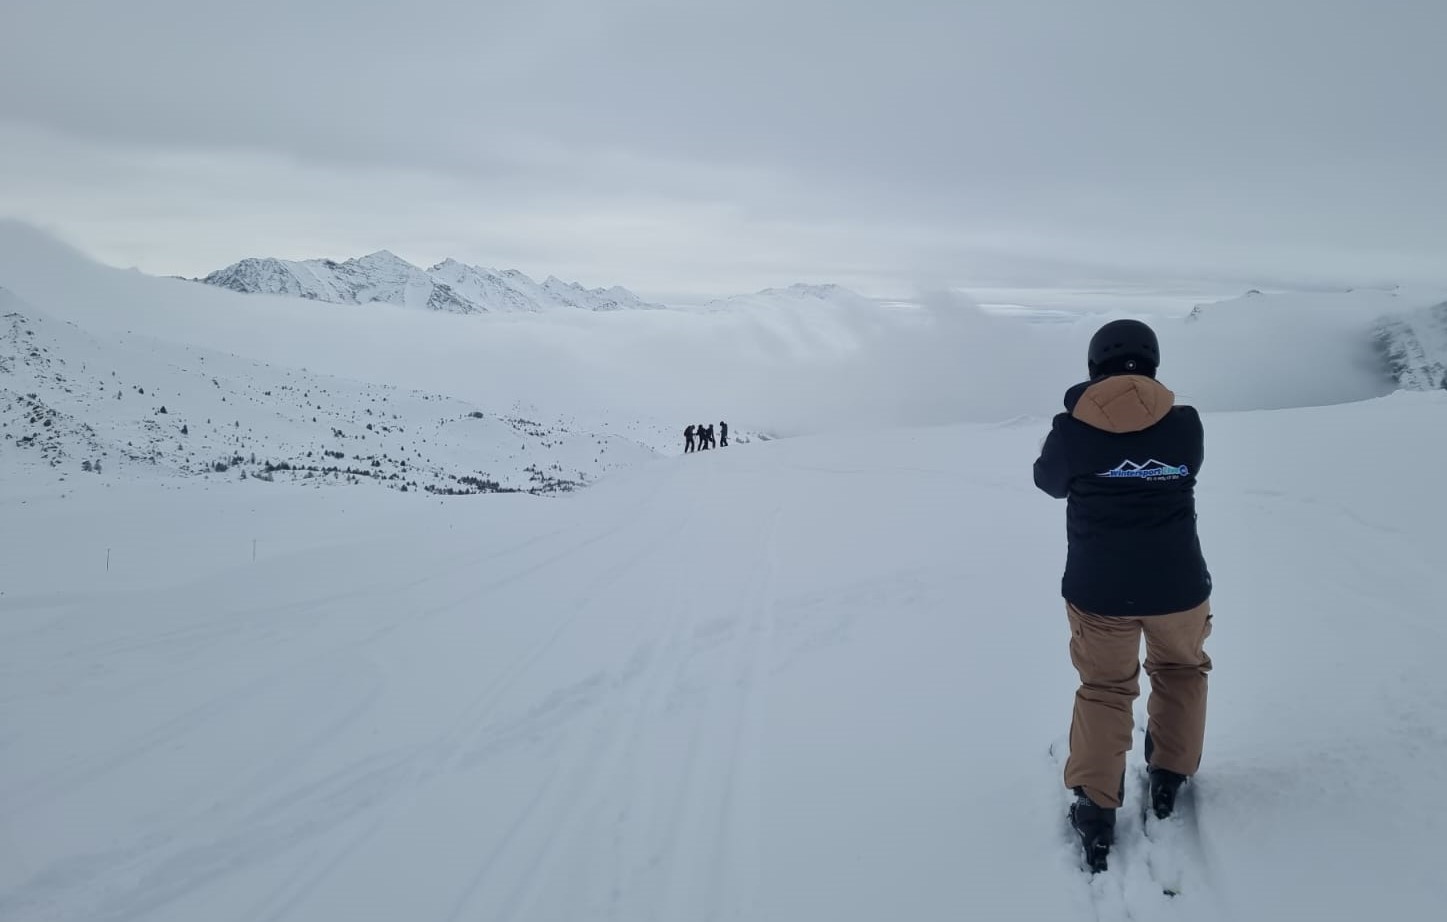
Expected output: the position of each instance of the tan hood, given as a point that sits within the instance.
(1124, 403)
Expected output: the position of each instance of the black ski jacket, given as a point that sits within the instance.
(1125, 459)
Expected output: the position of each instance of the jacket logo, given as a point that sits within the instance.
(1151, 470)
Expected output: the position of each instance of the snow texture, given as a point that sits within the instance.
(810, 679)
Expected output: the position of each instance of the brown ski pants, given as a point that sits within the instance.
(1106, 652)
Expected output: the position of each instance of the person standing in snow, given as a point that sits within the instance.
(1125, 457)
(723, 434)
(688, 440)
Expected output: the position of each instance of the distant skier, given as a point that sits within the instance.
(1125, 458)
(702, 435)
(723, 434)
(688, 440)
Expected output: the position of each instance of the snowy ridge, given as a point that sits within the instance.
(798, 294)
(1398, 335)
(386, 278)
(71, 403)
(1414, 346)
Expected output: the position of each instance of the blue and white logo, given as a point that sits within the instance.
(1151, 470)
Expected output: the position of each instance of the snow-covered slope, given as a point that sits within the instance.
(810, 680)
(71, 402)
(1414, 346)
(1396, 335)
(383, 277)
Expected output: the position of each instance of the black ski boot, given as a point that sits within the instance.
(1164, 786)
(1096, 827)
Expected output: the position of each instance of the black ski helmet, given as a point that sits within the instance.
(1124, 347)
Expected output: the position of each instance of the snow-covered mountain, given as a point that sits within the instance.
(1413, 344)
(128, 407)
(800, 294)
(451, 286)
(800, 359)
(1398, 334)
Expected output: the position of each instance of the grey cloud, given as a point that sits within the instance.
(1291, 137)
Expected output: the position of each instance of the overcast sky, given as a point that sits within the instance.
(691, 147)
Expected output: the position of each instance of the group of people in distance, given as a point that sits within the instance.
(701, 437)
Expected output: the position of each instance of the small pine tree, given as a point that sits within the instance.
(85, 466)
(185, 430)
(97, 466)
